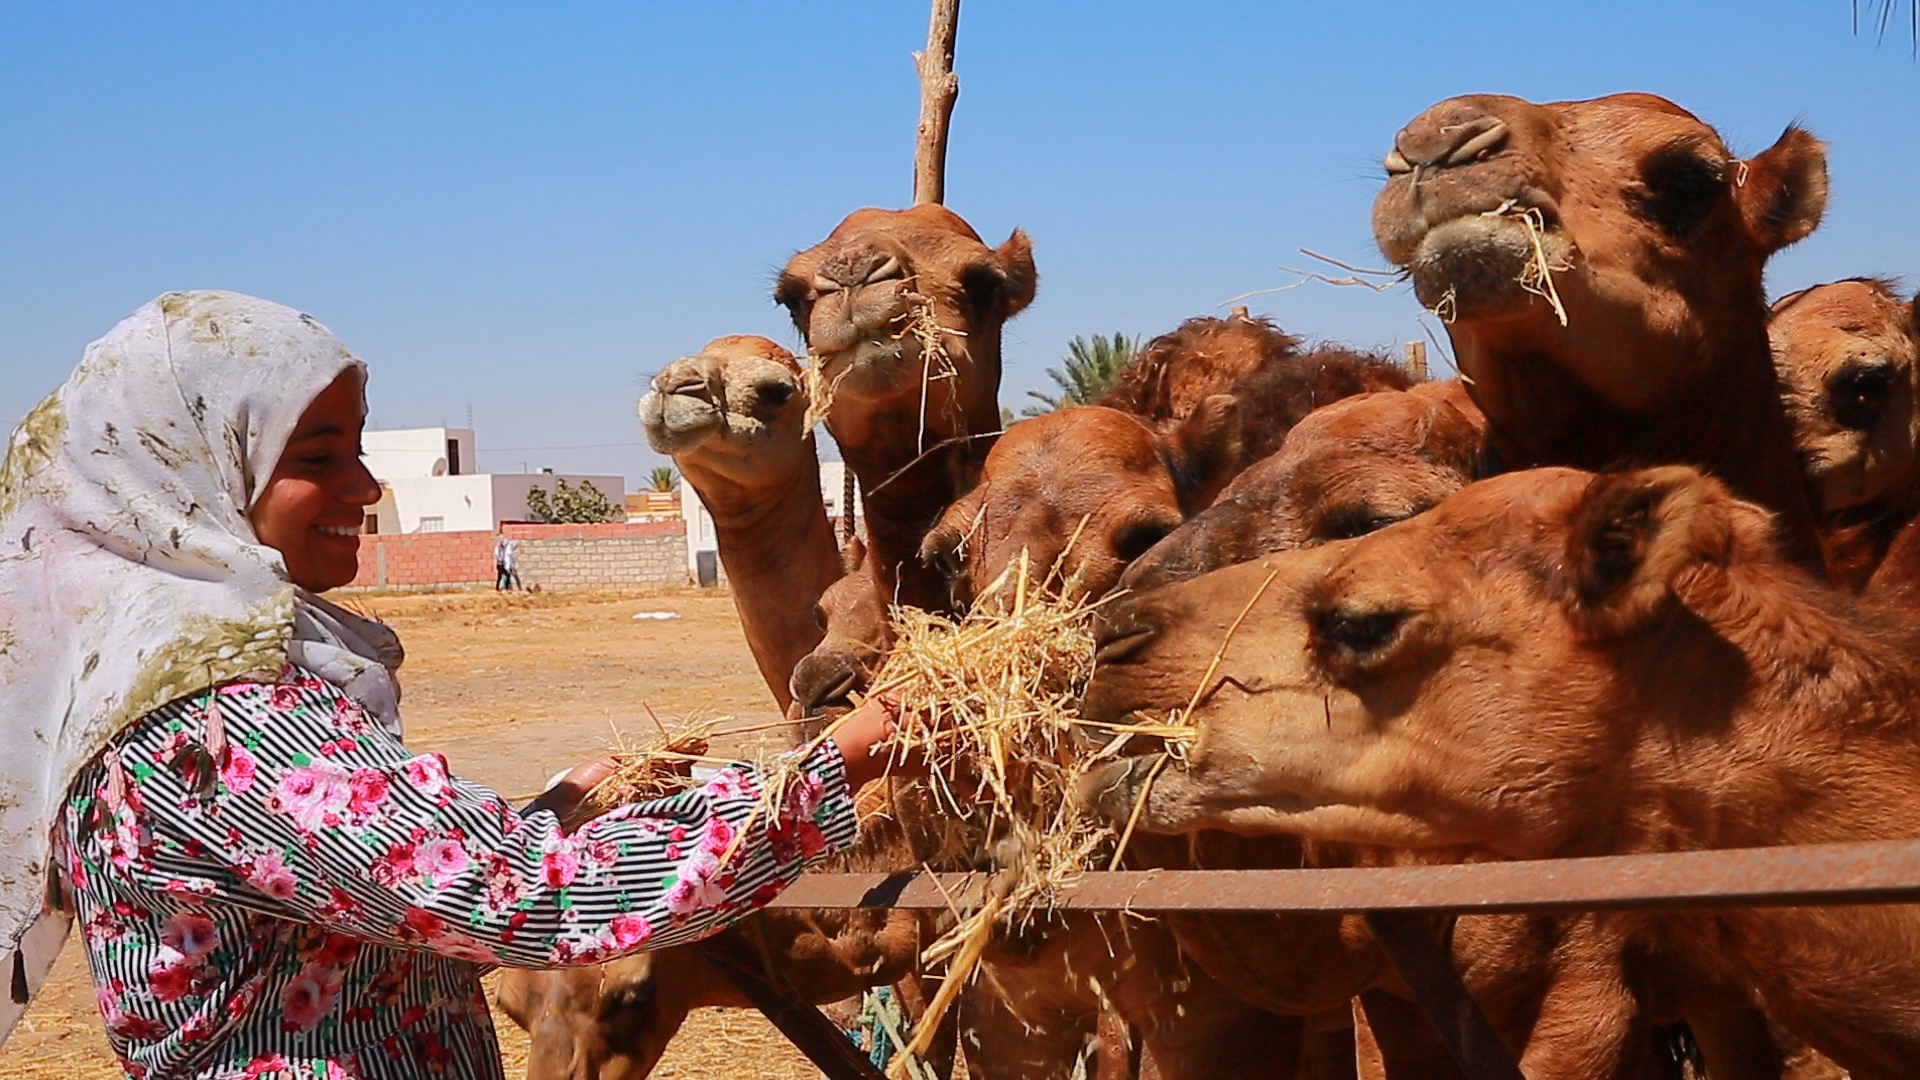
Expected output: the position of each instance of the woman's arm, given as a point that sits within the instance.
(319, 814)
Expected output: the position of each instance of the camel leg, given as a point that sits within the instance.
(1327, 1051)
(1394, 1040)
(1735, 1040)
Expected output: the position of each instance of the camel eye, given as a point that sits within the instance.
(1348, 522)
(629, 999)
(791, 293)
(1857, 395)
(1357, 634)
(1137, 539)
(1682, 188)
(775, 394)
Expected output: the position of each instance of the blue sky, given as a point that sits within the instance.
(527, 209)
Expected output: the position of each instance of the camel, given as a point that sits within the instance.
(731, 417)
(1347, 469)
(1848, 354)
(1552, 663)
(913, 423)
(1200, 405)
(1598, 265)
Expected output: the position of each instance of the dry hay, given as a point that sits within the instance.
(919, 323)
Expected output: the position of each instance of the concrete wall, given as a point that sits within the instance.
(593, 556)
(406, 452)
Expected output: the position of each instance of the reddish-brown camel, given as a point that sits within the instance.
(1347, 469)
(731, 417)
(1633, 218)
(1848, 354)
(1201, 404)
(1553, 664)
(913, 423)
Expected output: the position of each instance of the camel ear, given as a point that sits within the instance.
(1782, 191)
(1016, 262)
(1632, 535)
(1206, 451)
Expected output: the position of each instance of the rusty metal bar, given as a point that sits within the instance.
(1862, 873)
(1427, 966)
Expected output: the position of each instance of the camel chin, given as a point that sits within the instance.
(676, 423)
(1479, 267)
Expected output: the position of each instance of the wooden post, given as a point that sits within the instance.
(939, 89)
(1417, 360)
(1240, 312)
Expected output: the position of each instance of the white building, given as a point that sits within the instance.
(701, 539)
(431, 484)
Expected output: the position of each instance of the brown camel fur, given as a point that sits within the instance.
(914, 428)
(731, 418)
(1554, 664)
(1848, 354)
(1347, 469)
(1653, 237)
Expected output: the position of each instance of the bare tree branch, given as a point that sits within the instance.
(939, 89)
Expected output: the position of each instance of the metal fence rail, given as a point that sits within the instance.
(1863, 873)
(1393, 897)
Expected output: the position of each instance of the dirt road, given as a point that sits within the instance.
(513, 689)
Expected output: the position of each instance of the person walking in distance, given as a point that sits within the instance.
(502, 576)
(512, 563)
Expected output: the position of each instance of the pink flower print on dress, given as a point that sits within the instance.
(170, 975)
(267, 1065)
(269, 873)
(310, 997)
(442, 859)
(560, 866)
(395, 867)
(240, 770)
(726, 784)
(628, 931)
(601, 853)
(370, 789)
(190, 933)
(349, 716)
(717, 838)
(283, 697)
(462, 947)
(312, 795)
(424, 924)
(697, 886)
(427, 773)
(504, 888)
(803, 795)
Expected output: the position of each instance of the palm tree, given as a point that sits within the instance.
(1090, 368)
(662, 478)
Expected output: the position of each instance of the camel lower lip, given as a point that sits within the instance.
(1483, 266)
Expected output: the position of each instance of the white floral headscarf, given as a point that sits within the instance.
(129, 573)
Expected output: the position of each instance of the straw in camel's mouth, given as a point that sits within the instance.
(1494, 264)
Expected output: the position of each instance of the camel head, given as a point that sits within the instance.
(733, 412)
(1652, 233)
(610, 1022)
(1082, 492)
(1347, 469)
(859, 295)
(853, 615)
(1495, 674)
(1848, 354)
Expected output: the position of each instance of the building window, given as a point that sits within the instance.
(453, 457)
(370, 526)
(432, 524)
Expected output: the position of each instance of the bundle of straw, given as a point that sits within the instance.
(657, 771)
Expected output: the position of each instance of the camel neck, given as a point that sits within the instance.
(780, 555)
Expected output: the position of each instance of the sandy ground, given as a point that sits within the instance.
(513, 689)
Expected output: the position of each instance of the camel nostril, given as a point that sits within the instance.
(823, 284)
(887, 270)
(693, 388)
(1479, 144)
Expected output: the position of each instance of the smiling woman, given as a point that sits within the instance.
(204, 765)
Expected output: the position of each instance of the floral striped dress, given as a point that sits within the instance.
(324, 906)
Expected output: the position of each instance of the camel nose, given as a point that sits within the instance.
(858, 266)
(1451, 133)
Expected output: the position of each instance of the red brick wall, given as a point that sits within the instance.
(426, 558)
(616, 531)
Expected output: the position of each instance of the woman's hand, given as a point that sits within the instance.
(564, 797)
(859, 737)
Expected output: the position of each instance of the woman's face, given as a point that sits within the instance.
(311, 508)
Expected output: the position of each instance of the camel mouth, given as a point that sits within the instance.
(1491, 264)
(874, 364)
(677, 422)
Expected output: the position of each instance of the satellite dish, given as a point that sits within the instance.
(439, 466)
